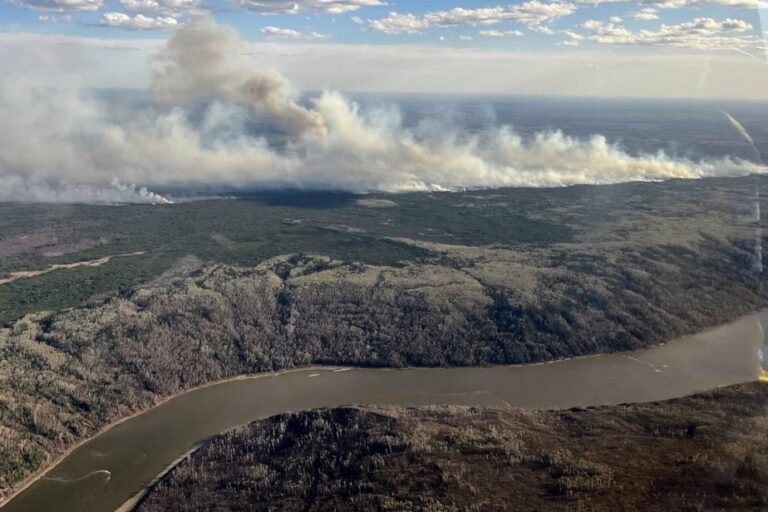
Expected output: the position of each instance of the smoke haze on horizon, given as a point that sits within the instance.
(62, 145)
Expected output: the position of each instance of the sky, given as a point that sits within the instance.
(654, 48)
(209, 69)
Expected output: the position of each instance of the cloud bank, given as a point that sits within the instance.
(67, 146)
(61, 5)
(297, 6)
(288, 33)
(678, 4)
(138, 22)
(700, 34)
(162, 7)
(533, 13)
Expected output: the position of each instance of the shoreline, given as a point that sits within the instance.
(37, 475)
(133, 502)
(42, 472)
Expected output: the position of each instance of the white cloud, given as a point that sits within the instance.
(280, 32)
(287, 33)
(499, 33)
(138, 22)
(357, 19)
(592, 24)
(675, 4)
(54, 18)
(542, 29)
(748, 4)
(732, 25)
(533, 13)
(615, 19)
(701, 33)
(573, 35)
(296, 6)
(396, 23)
(61, 5)
(647, 14)
(162, 7)
(574, 38)
(465, 38)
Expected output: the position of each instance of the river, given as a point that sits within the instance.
(103, 473)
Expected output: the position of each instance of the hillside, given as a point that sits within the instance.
(703, 452)
(588, 270)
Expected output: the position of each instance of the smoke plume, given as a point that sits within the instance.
(68, 145)
(201, 61)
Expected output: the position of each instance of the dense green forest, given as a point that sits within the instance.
(703, 452)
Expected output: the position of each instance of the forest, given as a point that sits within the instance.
(253, 227)
(702, 452)
(367, 281)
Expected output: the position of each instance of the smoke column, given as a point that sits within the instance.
(200, 61)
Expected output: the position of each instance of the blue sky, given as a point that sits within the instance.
(525, 25)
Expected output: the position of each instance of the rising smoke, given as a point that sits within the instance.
(67, 146)
(201, 61)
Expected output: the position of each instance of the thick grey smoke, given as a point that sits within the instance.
(65, 145)
(202, 61)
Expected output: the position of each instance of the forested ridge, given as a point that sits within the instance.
(66, 375)
(662, 260)
(702, 452)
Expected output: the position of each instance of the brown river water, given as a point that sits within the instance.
(113, 467)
